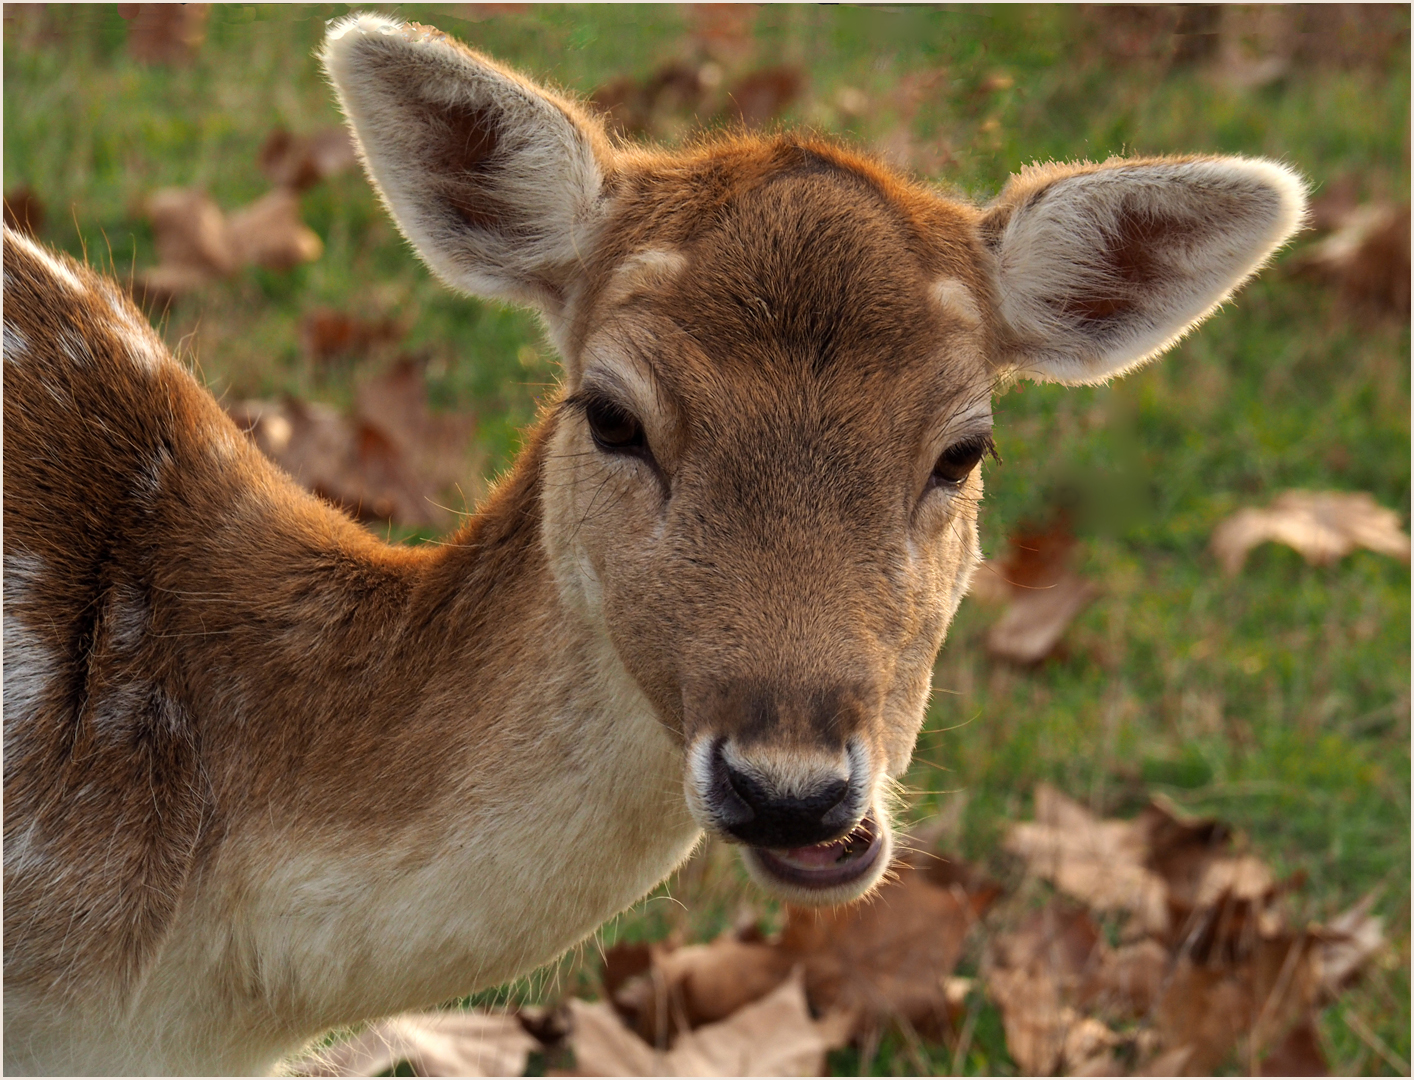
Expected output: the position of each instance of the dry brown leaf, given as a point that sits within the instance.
(1126, 981)
(760, 97)
(1033, 973)
(351, 463)
(722, 31)
(197, 244)
(190, 232)
(1366, 257)
(1167, 1063)
(1346, 944)
(165, 33)
(1322, 525)
(1252, 999)
(1033, 625)
(1099, 862)
(775, 1036)
(989, 587)
(603, 1046)
(24, 210)
(1299, 1054)
(299, 162)
(433, 1044)
(435, 444)
(698, 984)
(1045, 594)
(889, 956)
(392, 461)
(328, 334)
(269, 233)
(654, 106)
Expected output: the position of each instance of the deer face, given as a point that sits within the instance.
(763, 481)
(766, 469)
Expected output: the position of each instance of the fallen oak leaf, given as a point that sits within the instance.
(1367, 257)
(434, 444)
(761, 96)
(165, 33)
(468, 1043)
(1322, 525)
(890, 956)
(1032, 974)
(197, 244)
(1102, 863)
(327, 334)
(1299, 1054)
(1033, 625)
(1254, 999)
(1045, 594)
(269, 233)
(299, 162)
(190, 232)
(688, 987)
(603, 1046)
(775, 1036)
(722, 31)
(1346, 944)
(352, 463)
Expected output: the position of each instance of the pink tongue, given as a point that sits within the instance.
(814, 857)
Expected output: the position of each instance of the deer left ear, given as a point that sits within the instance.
(1099, 268)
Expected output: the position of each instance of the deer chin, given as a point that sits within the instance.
(836, 872)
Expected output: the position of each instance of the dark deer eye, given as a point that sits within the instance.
(614, 429)
(957, 461)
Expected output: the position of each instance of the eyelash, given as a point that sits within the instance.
(956, 463)
(614, 429)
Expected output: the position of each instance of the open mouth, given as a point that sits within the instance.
(829, 865)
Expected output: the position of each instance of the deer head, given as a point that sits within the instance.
(779, 357)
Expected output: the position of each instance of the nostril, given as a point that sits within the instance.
(732, 809)
(748, 809)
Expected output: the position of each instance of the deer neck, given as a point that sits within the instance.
(449, 737)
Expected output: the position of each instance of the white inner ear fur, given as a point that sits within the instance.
(1220, 221)
(397, 85)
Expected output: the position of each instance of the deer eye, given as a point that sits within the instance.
(957, 461)
(614, 429)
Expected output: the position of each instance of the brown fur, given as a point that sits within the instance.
(265, 774)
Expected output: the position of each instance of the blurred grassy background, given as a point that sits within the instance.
(1278, 700)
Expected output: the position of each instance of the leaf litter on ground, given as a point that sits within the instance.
(1164, 950)
(1207, 963)
(393, 459)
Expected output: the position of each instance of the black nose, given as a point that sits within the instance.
(753, 813)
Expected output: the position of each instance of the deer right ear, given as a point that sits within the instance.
(494, 181)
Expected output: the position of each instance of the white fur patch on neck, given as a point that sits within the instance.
(30, 668)
(957, 301)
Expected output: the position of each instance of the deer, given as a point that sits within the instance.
(266, 774)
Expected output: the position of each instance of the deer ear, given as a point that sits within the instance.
(1100, 268)
(493, 180)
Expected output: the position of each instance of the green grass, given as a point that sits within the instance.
(1278, 700)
